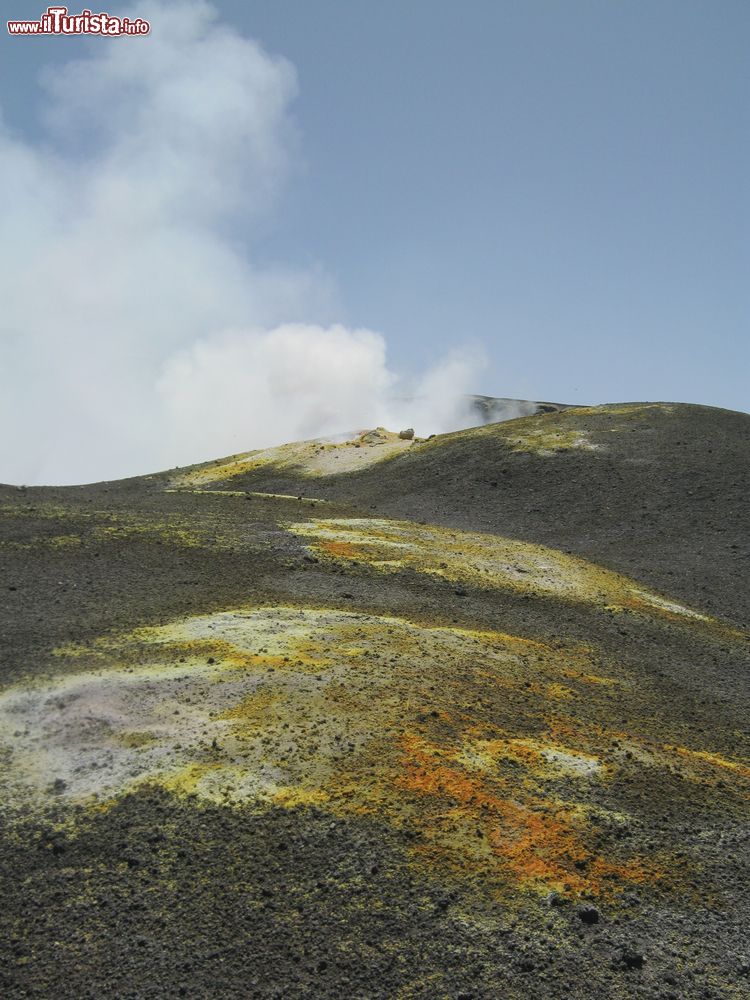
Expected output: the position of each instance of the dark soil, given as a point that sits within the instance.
(158, 893)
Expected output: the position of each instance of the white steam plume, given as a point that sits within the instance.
(298, 381)
(135, 332)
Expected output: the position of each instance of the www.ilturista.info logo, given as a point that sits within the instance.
(57, 21)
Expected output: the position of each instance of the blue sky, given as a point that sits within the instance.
(561, 186)
(568, 182)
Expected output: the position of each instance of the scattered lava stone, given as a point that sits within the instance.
(588, 914)
(631, 959)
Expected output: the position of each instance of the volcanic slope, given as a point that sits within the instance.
(464, 717)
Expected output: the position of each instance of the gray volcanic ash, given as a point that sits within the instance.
(385, 717)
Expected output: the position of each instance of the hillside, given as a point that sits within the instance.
(463, 717)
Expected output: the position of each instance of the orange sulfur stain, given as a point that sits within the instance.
(533, 840)
(343, 550)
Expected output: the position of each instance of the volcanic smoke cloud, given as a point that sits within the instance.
(136, 331)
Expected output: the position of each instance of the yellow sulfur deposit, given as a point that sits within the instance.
(488, 561)
(444, 732)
